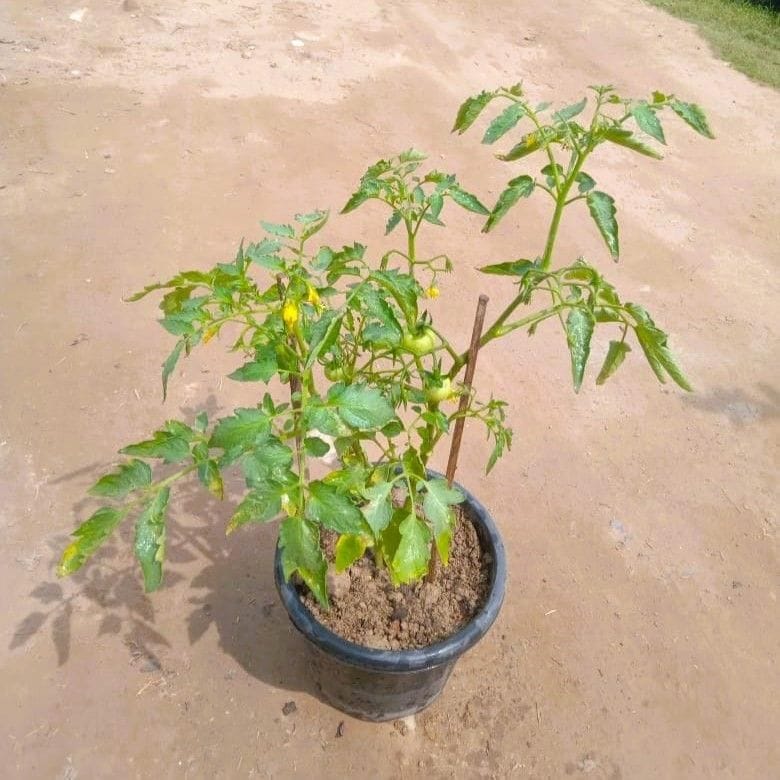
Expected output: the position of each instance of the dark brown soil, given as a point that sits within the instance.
(367, 609)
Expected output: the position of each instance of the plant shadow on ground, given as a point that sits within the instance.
(230, 578)
(737, 405)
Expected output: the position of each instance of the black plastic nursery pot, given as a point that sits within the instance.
(381, 685)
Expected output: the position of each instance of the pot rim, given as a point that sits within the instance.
(413, 659)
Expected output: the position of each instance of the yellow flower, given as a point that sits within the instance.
(290, 314)
(433, 291)
(313, 296)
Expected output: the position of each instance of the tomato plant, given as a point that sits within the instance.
(368, 370)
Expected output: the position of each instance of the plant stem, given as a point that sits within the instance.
(496, 329)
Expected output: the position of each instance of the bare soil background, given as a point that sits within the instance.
(640, 633)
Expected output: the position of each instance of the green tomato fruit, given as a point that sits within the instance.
(421, 343)
(434, 394)
(334, 373)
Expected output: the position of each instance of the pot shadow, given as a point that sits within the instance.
(235, 593)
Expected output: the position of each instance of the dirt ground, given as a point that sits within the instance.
(640, 633)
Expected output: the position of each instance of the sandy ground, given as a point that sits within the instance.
(640, 633)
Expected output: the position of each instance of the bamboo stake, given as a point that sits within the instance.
(457, 435)
(471, 366)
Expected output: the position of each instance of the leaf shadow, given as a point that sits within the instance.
(108, 585)
(738, 406)
(230, 579)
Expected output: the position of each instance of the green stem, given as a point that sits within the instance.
(410, 236)
(497, 328)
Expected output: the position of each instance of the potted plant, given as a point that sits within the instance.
(390, 570)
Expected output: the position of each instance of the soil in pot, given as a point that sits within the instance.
(368, 610)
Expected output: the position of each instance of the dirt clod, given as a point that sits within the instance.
(338, 584)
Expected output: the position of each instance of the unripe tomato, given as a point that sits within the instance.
(435, 393)
(334, 373)
(419, 343)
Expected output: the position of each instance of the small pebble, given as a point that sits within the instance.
(289, 708)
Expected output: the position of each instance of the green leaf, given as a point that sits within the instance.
(395, 218)
(510, 268)
(88, 538)
(520, 187)
(348, 480)
(170, 364)
(323, 335)
(435, 205)
(565, 114)
(241, 431)
(349, 548)
(369, 188)
(579, 330)
(466, 200)
(283, 231)
(412, 155)
(403, 287)
(264, 254)
(693, 116)
(387, 330)
(299, 541)
(584, 182)
(531, 142)
(364, 408)
(503, 440)
(413, 464)
(616, 354)
(469, 110)
(270, 459)
(261, 369)
(130, 476)
(201, 422)
(503, 123)
(318, 417)
(378, 511)
(654, 344)
(316, 447)
(439, 497)
(181, 323)
(258, 506)
(150, 539)
(550, 170)
(437, 505)
(323, 258)
(621, 137)
(172, 445)
(410, 561)
(211, 478)
(312, 223)
(648, 121)
(333, 509)
(602, 209)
